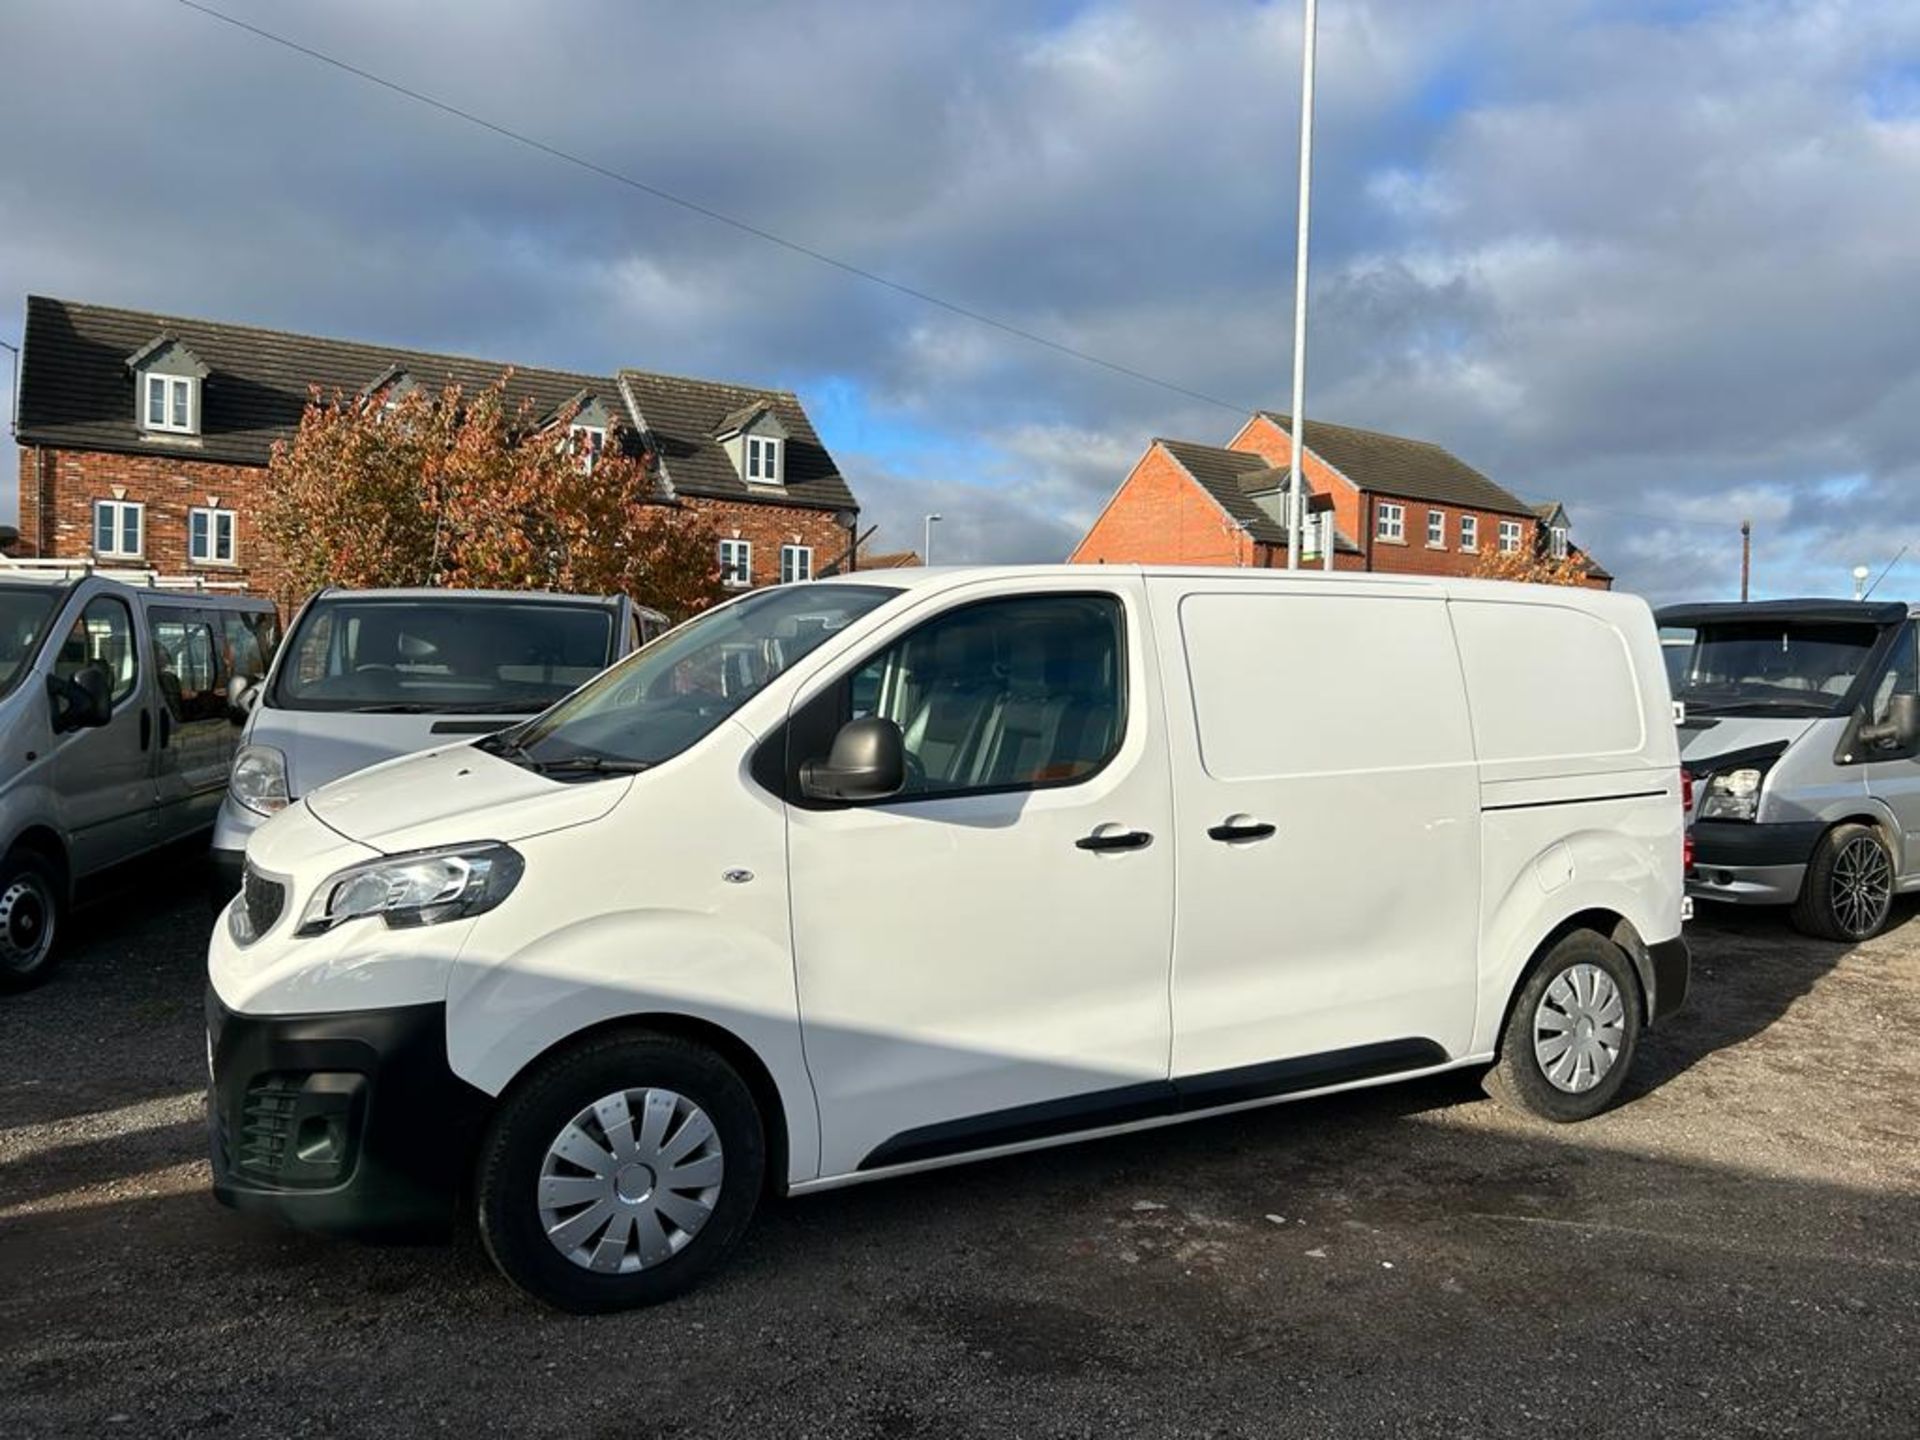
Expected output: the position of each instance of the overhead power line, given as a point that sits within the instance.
(707, 212)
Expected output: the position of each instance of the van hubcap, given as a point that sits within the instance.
(26, 924)
(630, 1181)
(1862, 885)
(1578, 1028)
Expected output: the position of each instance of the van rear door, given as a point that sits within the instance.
(1327, 811)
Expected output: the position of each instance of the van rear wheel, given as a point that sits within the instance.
(1847, 894)
(620, 1172)
(1572, 1033)
(30, 916)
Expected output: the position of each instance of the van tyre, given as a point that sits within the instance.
(1847, 894)
(31, 912)
(1571, 1035)
(620, 1172)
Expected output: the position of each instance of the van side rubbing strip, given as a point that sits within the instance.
(1153, 1099)
(1575, 800)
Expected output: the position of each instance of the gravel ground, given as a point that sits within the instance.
(1734, 1251)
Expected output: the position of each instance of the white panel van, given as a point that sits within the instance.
(853, 878)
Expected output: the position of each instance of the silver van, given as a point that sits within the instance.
(367, 675)
(115, 732)
(1800, 727)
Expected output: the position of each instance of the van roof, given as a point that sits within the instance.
(441, 592)
(945, 576)
(1812, 611)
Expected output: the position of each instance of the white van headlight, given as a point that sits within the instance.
(423, 888)
(1732, 795)
(259, 779)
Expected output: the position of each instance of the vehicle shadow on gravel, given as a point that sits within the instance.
(1754, 967)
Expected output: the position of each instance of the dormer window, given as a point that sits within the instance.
(763, 459)
(167, 378)
(756, 442)
(587, 441)
(170, 403)
(1557, 542)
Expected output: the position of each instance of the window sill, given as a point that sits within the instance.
(101, 557)
(214, 564)
(1432, 546)
(1469, 549)
(1388, 540)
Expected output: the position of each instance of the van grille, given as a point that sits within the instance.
(264, 898)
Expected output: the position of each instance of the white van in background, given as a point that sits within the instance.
(371, 674)
(849, 879)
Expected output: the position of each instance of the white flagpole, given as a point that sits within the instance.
(1296, 502)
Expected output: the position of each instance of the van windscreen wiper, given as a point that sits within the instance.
(588, 765)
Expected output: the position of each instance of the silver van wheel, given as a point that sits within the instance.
(1578, 1028)
(630, 1180)
(28, 919)
(1862, 885)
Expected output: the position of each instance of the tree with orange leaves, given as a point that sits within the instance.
(1532, 567)
(447, 489)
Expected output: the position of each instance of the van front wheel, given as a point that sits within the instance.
(1571, 1036)
(30, 914)
(620, 1172)
(1848, 891)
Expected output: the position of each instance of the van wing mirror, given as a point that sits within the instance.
(868, 762)
(84, 702)
(243, 693)
(1901, 729)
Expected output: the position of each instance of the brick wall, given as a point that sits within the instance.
(1161, 516)
(768, 527)
(58, 488)
(1260, 436)
(1415, 557)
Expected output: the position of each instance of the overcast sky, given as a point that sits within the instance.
(1655, 258)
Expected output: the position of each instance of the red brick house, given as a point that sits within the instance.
(1398, 505)
(144, 441)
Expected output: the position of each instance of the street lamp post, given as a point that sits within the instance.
(926, 543)
(1296, 507)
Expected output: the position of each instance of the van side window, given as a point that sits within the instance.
(187, 656)
(1005, 694)
(1902, 675)
(249, 642)
(103, 637)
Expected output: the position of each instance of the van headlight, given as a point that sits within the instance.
(259, 779)
(1733, 795)
(425, 887)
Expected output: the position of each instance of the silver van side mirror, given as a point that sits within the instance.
(243, 694)
(84, 702)
(1901, 729)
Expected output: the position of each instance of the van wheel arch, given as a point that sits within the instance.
(728, 1046)
(46, 845)
(1608, 925)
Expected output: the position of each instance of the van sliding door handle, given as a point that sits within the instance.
(1245, 830)
(1120, 840)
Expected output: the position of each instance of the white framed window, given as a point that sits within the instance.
(587, 441)
(796, 563)
(210, 533)
(168, 404)
(1390, 521)
(763, 459)
(1469, 532)
(1557, 542)
(119, 529)
(736, 564)
(1509, 535)
(1436, 529)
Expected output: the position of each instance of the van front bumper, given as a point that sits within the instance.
(349, 1123)
(1744, 863)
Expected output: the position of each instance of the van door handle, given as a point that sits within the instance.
(146, 727)
(1245, 830)
(1122, 840)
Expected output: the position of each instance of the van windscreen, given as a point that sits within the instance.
(435, 656)
(23, 617)
(1792, 667)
